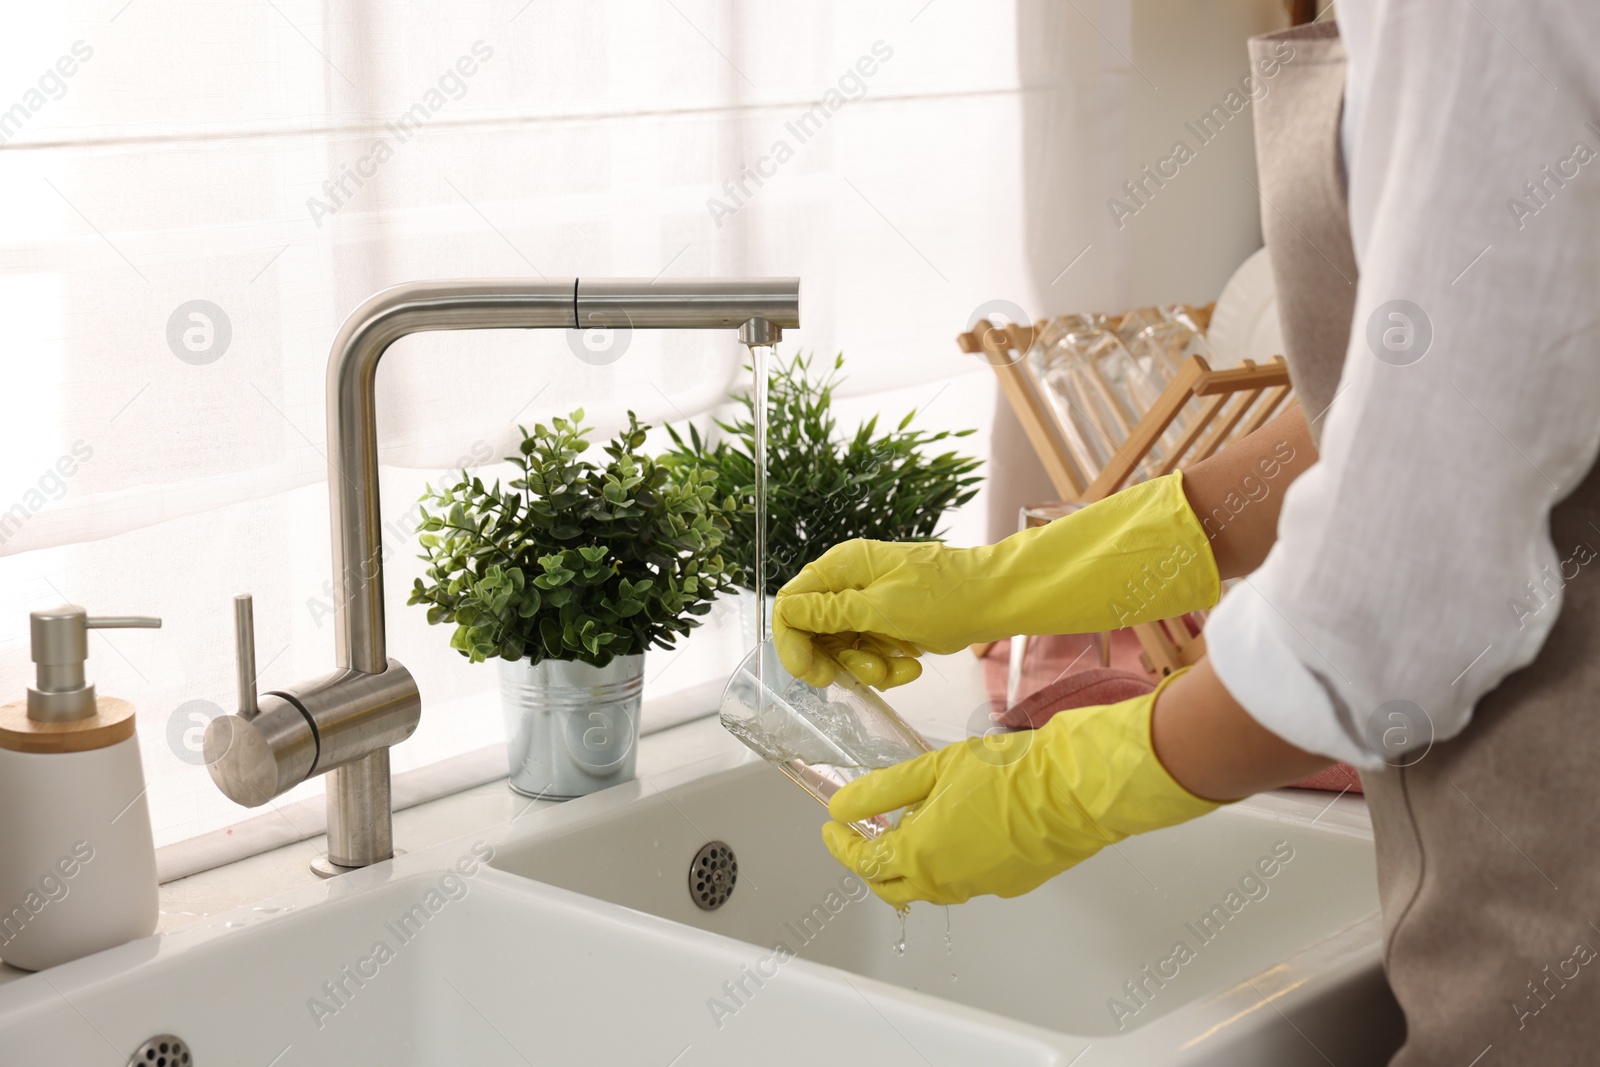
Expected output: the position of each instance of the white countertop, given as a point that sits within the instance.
(943, 703)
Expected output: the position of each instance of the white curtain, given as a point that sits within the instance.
(195, 195)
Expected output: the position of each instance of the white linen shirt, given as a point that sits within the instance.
(1414, 566)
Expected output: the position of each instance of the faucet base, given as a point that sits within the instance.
(360, 819)
(323, 867)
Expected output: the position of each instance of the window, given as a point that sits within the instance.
(195, 195)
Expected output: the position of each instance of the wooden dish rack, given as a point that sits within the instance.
(1219, 406)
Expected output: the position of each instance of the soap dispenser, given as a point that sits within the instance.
(77, 861)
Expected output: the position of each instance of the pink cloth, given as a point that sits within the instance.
(1064, 672)
(1081, 689)
(1339, 778)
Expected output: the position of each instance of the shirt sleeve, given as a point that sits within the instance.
(1414, 567)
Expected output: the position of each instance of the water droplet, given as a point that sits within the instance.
(949, 946)
(900, 945)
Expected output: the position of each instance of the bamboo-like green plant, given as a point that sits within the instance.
(573, 560)
(823, 487)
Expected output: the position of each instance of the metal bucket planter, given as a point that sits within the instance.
(571, 729)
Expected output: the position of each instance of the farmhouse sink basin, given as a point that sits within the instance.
(568, 934)
(1217, 933)
(505, 972)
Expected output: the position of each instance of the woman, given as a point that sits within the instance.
(1419, 603)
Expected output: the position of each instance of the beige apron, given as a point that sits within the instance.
(1488, 845)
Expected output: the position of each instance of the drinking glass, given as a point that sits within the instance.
(1133, 321)
(1099, 393)
(1164, 347)
(822, 739)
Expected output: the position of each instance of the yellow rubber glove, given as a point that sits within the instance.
(1005, 813)
(1136, 556)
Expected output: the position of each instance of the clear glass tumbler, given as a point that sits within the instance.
(1099, 393)
(1133, 321)
(1164, 347)
(821, 739)
(1062, 325)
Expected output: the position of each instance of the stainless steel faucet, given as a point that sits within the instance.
(343, 723)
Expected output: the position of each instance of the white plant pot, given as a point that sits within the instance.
(571, 729)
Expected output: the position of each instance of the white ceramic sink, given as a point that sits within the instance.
(503, 971)
(1276, 913)
(579, 944)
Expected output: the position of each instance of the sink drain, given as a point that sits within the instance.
(712, 873)
(163, 1050)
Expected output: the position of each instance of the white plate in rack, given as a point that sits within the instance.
(1244, 324)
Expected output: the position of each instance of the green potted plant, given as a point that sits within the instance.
(567, 576)
(823, 486)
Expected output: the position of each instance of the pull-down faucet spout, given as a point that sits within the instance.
(343, 723)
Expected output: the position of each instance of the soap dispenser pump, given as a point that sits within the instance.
(77, 860)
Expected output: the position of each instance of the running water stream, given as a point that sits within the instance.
(759, 358)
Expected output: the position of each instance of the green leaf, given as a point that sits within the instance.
(550, 633)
